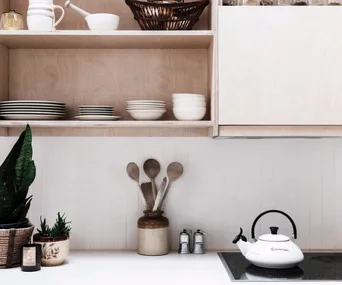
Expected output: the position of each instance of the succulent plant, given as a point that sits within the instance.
(60, 228)
(17, 173)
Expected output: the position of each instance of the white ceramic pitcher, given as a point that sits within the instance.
(41, 15)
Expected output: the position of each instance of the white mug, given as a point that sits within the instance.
(41, 16)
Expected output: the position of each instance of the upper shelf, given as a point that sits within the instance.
(106, 40)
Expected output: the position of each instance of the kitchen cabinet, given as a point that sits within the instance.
(80, 67)
(280, 67)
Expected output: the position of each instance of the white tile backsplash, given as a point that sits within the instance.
(226, 184)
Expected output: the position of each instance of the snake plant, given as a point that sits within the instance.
(61, 227)
(17, 173)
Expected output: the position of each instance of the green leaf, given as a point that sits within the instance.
(24, 159)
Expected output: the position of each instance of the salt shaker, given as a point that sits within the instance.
(184, 242)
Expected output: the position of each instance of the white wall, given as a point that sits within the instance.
(225, 185)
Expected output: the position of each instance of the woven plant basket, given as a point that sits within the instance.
(11, 242)
(167, 16)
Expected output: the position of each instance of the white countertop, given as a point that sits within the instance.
(126, 267)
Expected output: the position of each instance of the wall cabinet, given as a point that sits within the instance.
(80, 67)
(280, 66)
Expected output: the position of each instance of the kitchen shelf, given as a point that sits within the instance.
(106, 40)
(107, 124)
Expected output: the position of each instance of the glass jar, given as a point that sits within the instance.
(153, 234)
(266, 3)
(250, 2)
(11, 20)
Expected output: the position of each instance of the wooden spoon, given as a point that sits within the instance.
(146, 188)
(174, 171)
(134, 173)
(160, 194)
(152, 169)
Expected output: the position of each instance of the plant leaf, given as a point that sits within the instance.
(5, 203)
(24, 159)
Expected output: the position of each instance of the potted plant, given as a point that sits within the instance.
(17, 173)
(54, 241)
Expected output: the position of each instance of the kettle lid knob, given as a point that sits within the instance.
(274, 230)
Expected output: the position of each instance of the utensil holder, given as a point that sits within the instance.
(153, 234)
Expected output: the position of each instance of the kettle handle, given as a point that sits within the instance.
(279, 212)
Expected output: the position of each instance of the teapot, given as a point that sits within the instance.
(270, 250)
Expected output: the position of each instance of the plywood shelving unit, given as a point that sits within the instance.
(80, 67)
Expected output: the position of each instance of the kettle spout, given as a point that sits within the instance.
(241, 241)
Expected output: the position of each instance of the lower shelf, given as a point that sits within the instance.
(113, 128)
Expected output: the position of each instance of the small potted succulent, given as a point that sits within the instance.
(54, 241)
(17, 173)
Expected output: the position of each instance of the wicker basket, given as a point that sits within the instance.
(11, 242)
(154, 15)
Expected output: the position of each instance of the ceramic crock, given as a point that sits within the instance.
(153, 234)
(54, 250)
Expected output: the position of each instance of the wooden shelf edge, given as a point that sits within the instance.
(280, 131)
(107, 124)
(106, 40)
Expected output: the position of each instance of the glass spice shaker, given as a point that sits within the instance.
(266, 3)
(250, 2)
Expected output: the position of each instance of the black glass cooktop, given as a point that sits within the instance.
(315, 266)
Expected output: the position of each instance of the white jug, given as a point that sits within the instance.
(41, 15)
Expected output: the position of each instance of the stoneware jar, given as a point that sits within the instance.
(54, 250)
(153, 234)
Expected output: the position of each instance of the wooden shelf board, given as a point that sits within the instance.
(106, 40)
(107, 124)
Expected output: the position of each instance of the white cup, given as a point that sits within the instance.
(41, 16)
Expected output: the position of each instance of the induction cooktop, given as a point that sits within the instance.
(319, 266)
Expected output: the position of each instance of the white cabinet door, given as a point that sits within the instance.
(280, 65)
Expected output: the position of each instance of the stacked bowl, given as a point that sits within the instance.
(146, 110)
(189, 107)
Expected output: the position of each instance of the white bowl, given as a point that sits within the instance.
(189, 104)
(189, 114)
(188, 96)
(103, 22)
(146, 115)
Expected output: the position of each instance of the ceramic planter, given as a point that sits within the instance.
(54, 250)
(153, 235)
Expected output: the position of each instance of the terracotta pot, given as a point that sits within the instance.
(153, 234)
(54, 250)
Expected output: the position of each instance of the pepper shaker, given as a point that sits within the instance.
(184, 242)
(199, 242)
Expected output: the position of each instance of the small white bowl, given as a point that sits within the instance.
(146, 115)
(188, 96)
(103, 22)
(189, 114)
(185, 104)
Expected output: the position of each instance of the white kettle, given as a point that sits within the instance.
(270, 250)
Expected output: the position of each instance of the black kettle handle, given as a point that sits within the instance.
(279, 212)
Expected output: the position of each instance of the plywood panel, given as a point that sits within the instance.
(4, 6)
(266, 81)
(74, 21)
(119, 132)
(109, 77)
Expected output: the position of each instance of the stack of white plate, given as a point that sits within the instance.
(32, 110)
(96, 113)
(189, 107)
(146, 110)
